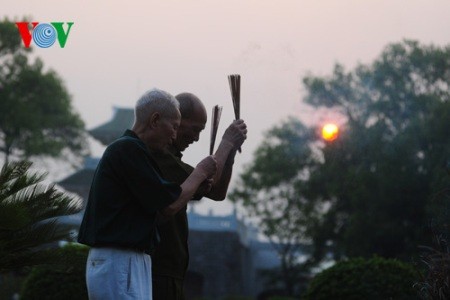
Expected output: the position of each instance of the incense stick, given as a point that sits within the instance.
(235, 88)
(216, 113)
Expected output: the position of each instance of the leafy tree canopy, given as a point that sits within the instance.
(36, 116)
(380, 178)
(373, 190)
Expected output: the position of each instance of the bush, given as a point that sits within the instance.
(65, 280)
(435, 279)
(10, 284)
(358, 278)
(435, 276)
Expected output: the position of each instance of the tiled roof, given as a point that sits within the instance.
(122, 119)
(82, 177)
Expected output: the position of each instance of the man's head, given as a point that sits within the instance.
(156, 119)
(193, 120)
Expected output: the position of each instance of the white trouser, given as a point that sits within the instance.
(116, 274)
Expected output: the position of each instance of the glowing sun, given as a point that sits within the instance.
(330, 132)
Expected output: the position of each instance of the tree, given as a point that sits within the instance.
(371, 190)
(380, 177)
(36, 116)
(28, 211)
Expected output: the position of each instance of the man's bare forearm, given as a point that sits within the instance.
(225, 159)
(207, 168)
(188, 187)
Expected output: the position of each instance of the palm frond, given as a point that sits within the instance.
(13, 179)
(28, 216)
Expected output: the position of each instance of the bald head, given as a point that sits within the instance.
(190, 106)
(193, 120)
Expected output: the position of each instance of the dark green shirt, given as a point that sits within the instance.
(171, 256)
(126, 192)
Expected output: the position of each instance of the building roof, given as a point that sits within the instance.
(121, 120)
(71, 220)
(82, 177)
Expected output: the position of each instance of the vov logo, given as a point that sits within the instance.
(44, 35)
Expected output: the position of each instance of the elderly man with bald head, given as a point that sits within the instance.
(171, 257)
(127, 194)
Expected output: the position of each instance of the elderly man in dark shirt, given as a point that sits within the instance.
(127, 194)
(171, 257)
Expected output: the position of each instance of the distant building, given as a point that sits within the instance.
(80, 182)
(226, 257)
(122, 119)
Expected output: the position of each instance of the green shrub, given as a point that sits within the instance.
(358, 278)
(64, 280)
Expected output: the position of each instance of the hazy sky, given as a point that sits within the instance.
(117, 50)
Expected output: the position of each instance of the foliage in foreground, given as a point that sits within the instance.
(66, 280)
(369, 279)
(28, 212)
(435, 284)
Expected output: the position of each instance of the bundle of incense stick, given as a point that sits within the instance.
(235, 88)
(216, 113)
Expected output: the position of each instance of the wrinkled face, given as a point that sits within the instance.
(167, 132)
(189, 130)
(170, 127)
